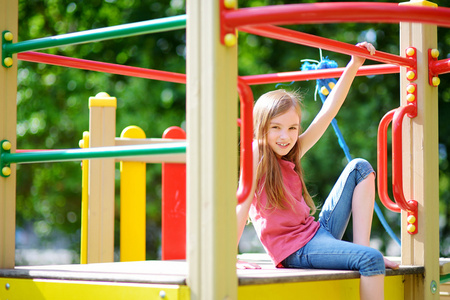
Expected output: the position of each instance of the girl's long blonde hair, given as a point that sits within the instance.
(269, 106)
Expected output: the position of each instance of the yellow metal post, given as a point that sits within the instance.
(421, 163)
(211, 108)
(84, 143)
(132, 203)
(8, 122)
(102, 130)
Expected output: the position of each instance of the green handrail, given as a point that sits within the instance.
(7, 158)
(101, 34)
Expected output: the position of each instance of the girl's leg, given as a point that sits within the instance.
(362, 209)
(354, 191)
(371, 287)
(326, 252)
(362, 214)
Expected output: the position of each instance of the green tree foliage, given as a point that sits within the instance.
(53, 107)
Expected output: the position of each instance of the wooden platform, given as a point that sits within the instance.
(174, 272)
(135, 279)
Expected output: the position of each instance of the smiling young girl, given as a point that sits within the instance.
(280, 206)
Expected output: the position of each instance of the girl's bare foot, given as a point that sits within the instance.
(241, 265)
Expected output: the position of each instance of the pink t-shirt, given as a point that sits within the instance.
(284, 231)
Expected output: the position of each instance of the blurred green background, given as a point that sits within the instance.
(53, 113)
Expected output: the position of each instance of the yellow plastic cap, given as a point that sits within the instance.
(410, 75)
(435, 81)
(411, 219)
(8, 36)
(6, 145)
(435, 53)
(410, 97)
(6, 171)
(102, 99)
(411, 228)
(8, 61)
(230, 4)
(410, 51)
(230, 40)
(411, 88)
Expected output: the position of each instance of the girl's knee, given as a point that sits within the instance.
(363, 168)
(361, 164)
(373, 263)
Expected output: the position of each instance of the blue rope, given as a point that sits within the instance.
(325, 83)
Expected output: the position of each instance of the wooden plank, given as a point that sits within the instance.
(211, 113)
(102, 130)
(175, 272)
(444, 264)
(445, 291)
(420, 162)
(8, 123)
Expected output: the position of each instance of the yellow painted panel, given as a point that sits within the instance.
(347, 289)
(20, 289)
(132, 203)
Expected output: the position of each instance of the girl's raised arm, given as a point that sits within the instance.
(334, 102)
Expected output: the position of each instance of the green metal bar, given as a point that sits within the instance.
(91, 153)
(101, 34)
(445, 278)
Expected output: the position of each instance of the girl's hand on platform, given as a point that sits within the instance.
(365, 45)
(390, 264)
(242, 265)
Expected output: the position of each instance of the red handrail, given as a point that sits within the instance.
(397, 157)
(411, 206)
(382, 162)
(246, 100)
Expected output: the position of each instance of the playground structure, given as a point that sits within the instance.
(209, 272)
(97, 241)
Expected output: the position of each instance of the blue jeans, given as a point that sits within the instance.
(326, 250)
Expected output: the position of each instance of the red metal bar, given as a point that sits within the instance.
(382, 163)
(173, 206)
(354, 12)
(246, 100)
(440, 66)
(91, 65)
(301, 38)
(181, 78)
(317, 74)
(397, 156)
